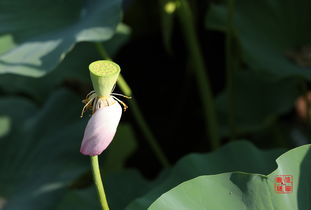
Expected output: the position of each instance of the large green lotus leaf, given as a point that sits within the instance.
(236, 156)
(267, 31)
(40, 154)
(239, 190)
(258, 101)
(73, 70)
(45, 31)
(121, 188)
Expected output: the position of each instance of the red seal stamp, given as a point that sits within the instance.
(283, 184)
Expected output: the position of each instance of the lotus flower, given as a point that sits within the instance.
(101, 129)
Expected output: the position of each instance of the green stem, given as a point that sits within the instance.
(188, 29)
(138, 116)
(98, 183)
(148, 134)
(101, 50)
(230, 66)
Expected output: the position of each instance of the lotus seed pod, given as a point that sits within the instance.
(104, 74)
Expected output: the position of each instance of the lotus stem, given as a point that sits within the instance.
(187, 23)
(98, 183)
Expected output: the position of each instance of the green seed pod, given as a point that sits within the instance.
(104, 75)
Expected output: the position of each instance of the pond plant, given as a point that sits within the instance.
(218, 111)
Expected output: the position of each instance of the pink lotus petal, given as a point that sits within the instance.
(101, 129)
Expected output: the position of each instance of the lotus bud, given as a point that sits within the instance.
(101, 129)
(107, 112)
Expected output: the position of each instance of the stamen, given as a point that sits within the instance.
(90, 93)
(118, 94)
(121, 102)
(94, 102)
(88, 102)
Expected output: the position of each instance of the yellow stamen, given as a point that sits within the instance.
(121, 102)
(88, 102)
(92, 101)
(118, 94)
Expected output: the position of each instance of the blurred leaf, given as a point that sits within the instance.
(44, 32)
(237, 156)
(268, 31)
(12, 114)
(258, 101)
(40, 156)
(121, 36)
(6, 43)
(245, 191)
(122, 146)
(73, 69)
(80, 200)
(5, 125)
(121, 188)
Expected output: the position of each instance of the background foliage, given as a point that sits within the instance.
(202, 74)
